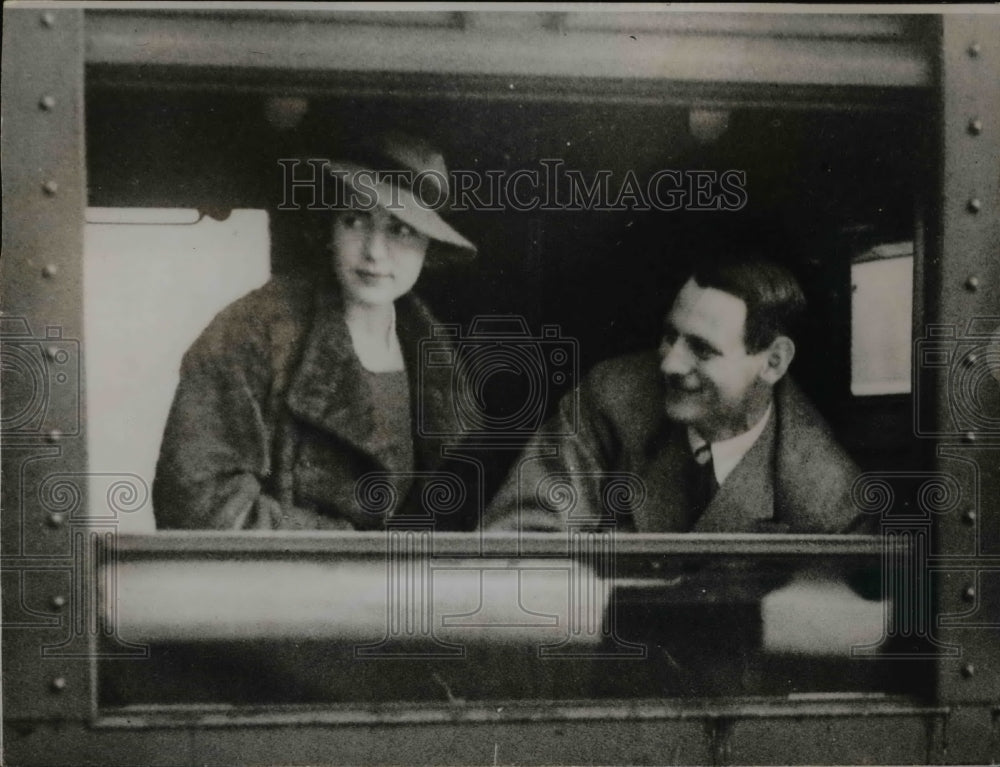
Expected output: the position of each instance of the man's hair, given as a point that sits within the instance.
(775, 301)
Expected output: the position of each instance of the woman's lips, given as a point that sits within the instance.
(372, 276)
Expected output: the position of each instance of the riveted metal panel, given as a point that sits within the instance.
(830, 741)
(971, 736)
(958, 355)
(47, 743)
(519, 44)
(661, 742)
(968, 579)
(525, 743)
(44, 193)
(848, 740)
(961, 736)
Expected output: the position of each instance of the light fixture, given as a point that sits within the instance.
(707, 125)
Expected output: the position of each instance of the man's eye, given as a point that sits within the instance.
(669, 336)
(702, 352)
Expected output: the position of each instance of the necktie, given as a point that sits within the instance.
(703, 484)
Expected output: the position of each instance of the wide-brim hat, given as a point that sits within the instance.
(405, 176)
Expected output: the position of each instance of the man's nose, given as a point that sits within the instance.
(674, 360)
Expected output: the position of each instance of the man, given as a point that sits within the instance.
(707, 435)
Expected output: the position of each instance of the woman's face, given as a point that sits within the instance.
(376, 257)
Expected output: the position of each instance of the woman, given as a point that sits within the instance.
(298, 406)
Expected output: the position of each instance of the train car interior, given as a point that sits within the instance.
(826, 192)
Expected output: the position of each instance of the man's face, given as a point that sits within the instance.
(376, 257)
(712, 383)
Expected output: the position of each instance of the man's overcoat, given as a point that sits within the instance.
(618, 459)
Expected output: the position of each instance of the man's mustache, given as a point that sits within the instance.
(680, 384)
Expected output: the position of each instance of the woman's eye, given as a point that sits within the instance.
(401, 230)
(353, 219)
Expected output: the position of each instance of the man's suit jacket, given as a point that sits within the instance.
(621, 460)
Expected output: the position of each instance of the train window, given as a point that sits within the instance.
(881, 312)
(812, 189)
(153, 278)
(591, 234)
(349, 623)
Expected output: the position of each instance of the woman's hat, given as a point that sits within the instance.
(405, 176)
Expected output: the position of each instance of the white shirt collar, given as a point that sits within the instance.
(727, 453)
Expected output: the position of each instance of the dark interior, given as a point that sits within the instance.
(821, 186)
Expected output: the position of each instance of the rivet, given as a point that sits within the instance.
(54, 436)
(50, 270)
(656, 564)
(974, 205)
(48, 19)
(969, 517)
(968, 670)
(972, 283)
(48, 103)
(975, 126)
(969, 436)
(58, 684)
(969, 593)
(50, 188)
(56, 520)
(59, 601)
(974, 50)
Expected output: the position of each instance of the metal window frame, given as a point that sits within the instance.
(868, 64)
(962, 294)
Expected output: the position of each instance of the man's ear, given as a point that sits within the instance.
(778, 357)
